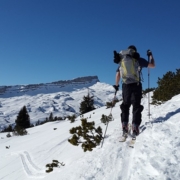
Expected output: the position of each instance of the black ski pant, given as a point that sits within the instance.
(131, 94)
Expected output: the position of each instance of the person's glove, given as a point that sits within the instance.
(149, 53)
(116, 87)
(116, 57)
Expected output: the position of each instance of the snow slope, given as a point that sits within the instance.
(62, 103)
(156, 155)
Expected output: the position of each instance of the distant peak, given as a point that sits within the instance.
(34, 89)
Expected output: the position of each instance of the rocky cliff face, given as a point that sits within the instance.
(43, 88)
(62, 98)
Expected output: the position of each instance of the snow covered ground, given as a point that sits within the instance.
(156, 155)
(62, 103)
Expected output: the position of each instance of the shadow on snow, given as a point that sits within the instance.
(160, 119)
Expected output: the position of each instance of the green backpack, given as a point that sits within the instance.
(129, 67)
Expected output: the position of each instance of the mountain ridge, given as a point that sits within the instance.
(61, 100)
(18, 90)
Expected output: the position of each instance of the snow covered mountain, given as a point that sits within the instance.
(62, 98)
(156, 154)
(46, 88)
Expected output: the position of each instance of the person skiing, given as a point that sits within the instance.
(131, 86)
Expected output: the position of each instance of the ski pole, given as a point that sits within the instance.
(149, 88)
(109, 115)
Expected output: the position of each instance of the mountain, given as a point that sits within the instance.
(46, 88)
(155, 156)
(62, 98)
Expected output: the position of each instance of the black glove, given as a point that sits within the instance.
(116, 87)
(116, 57)
(149, 53)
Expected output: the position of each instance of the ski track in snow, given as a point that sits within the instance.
(127, 154)
(119, 160)
(30, 161)
(30, 168)
(127, 159)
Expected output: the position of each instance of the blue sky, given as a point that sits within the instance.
(50, 40)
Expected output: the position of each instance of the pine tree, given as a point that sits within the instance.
(23, 119)
(87, 135)
(8, 129)
(168, 86)
(87, 104)
(51, 118)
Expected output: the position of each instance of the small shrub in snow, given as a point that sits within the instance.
(72, 118)
(7, 147)
(55, 163)
(105, 119)
(87, 135)
(8, 135)
(111, 104)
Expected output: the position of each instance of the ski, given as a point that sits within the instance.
(123, 138)
(132, 142)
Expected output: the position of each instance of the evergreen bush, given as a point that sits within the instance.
(72, 118)
(105, 119)
(22, 122)
(87, 135)
(168, 86)
(55, 163)
(23, 119)
(87, 104)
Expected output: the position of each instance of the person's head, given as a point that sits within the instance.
(132, 47)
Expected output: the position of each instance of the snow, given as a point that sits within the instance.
(156, 154)
(62, 103)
